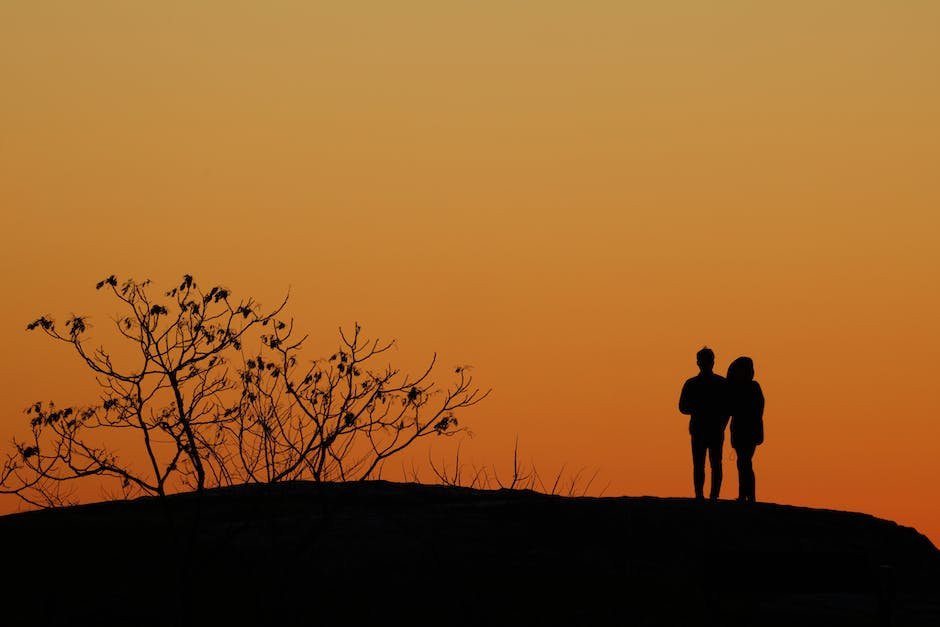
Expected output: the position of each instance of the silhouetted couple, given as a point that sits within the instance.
(711, 401)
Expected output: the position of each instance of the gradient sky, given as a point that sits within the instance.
(571, 197)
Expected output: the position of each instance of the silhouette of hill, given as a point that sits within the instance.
(394, 553)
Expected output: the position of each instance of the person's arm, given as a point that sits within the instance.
(759, 411)
(760, 401)
(685, 399)
(725, 402)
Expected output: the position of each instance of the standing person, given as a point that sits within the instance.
(704, 400)
(746, 402)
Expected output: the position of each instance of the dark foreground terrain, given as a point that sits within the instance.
(385, 553)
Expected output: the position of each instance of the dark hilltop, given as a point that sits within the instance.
(380, 553)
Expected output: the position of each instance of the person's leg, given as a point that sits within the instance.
(714, 458)
(745, 473)
(751, 479)
(698, 466)
(742, 471)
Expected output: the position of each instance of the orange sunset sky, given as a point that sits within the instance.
(571, 197)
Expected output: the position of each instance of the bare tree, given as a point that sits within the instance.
(170, 397)
(339, 417)
(164, 385)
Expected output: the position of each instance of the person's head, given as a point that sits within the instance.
(705, 359)
(741, 369)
